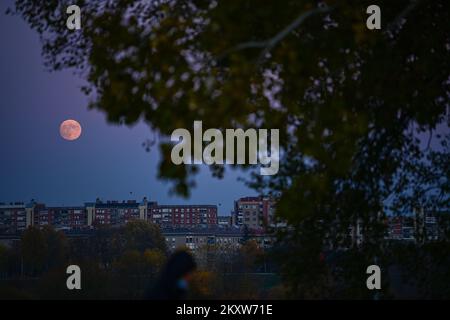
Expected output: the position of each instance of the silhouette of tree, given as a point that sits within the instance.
(42, 250)
(34, 251)
(352, 105)
(57, 248)
(141, 235)
(108, 244)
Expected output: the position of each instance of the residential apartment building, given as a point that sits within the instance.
(255, 212)
(183, 216)
(401, 228)
(16, 217)
(195, 239)
(60, 218)
(421, 226)
(13, 217)
(224, 221)
(114, 212)
(426, 225)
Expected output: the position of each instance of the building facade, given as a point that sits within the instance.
(16, 217)
(256, 213)
(224, 221)
(112, 212)
(13, 217)
(422, 226)
(183, 216)
(196, 239)
(62, 218)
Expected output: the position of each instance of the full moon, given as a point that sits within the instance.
(70, 130)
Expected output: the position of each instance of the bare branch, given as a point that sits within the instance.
(270, 43)
(399, 19)
(429, 140)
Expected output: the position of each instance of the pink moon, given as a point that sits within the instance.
(70, 130)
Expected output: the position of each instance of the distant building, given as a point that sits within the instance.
(178, 216)
(224, 221)
(395, 225)
(255, 212)
(195, 239)
(356, 233)
(60, 218)
(422, 226)
(112, 212)
(183, 216)
(63, 218)
(426, 225)
(408, 232)
(16, 217)
(265, 241)
(13, 217)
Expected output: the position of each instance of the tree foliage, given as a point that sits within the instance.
(352, 105)
(42, 250)
(130, 241)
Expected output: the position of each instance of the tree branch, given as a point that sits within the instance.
(270, 43)
(398, 20)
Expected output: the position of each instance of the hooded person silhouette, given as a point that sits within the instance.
(173, 281)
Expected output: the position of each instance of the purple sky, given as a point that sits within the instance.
(107, 161)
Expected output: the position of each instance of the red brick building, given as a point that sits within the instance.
(186, 216)
(60, 218)
(16, 218)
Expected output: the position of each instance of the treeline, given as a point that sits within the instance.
(122, 262)
(115, 263)
(230, 272)
(409, 270)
